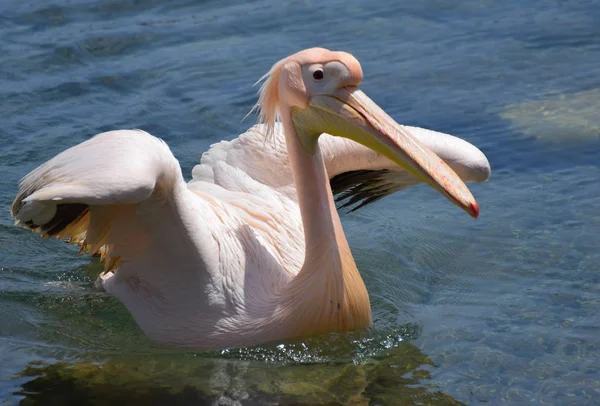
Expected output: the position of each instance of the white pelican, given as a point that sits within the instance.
(251, 249)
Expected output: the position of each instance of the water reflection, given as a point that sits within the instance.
(397, 376)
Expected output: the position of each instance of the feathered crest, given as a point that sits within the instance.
(268, 100)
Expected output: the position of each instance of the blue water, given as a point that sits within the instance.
(500, 310)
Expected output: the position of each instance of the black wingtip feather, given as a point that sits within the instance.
(356, 189)
(65, 215)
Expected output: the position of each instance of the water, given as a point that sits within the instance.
(501, 310)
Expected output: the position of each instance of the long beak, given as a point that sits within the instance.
(349, 113)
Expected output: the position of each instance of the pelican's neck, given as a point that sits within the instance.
(322, 226)
(328, 293)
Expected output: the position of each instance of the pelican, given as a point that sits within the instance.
(252, 249)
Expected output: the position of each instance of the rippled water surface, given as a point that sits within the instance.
(501, 310)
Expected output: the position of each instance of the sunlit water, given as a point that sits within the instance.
(501, 310)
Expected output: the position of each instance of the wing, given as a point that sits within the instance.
(358, 176)
(102, 194)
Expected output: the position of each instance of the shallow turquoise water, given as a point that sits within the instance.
(501, 310)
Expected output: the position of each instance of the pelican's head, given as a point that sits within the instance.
(318, 88)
